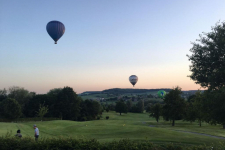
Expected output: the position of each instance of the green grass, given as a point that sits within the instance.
(132, 125)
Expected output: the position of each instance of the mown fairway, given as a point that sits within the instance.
(133, 126)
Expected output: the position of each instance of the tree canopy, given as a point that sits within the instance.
(174, 106)
(121, 107)
(208, 58)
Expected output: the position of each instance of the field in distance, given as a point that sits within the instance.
(133, 126)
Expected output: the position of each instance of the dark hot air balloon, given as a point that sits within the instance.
(133, 79)
(55, 29)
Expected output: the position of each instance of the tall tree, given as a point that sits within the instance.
(155, 111)
(89, 110)
(67, 104)
(174, 105)
(10, 109)
(208, 58)
(121, 107)
(198, 106)
(140, 106)
(129, 105)
(3, 94)
(215, 107)
(21, 95)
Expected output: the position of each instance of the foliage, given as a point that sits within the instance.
(140, 106)
(174, 106)
(42, 111)
(215, 106)
(208, 58)
(129, 105)
(33, 106)
(8, 143)
(3, 94)
(155, 111)
(89, 110)
(54, 92)
(67, 104)
(190, 113)
(10, 108)
(121, 107)
(198, 106)
(21, 95)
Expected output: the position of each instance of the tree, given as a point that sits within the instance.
(148, 107)
(67, 105)
(190, 113)
(10, 109)
(54, 91)
(140, 106)
(121, 107)
(21, 95)
(208, 58)
(129, 105)
(215, 106)
(198, 107)
(155, 111)
(42, 111)
(89, 110)
(174, 105)
(3, 94)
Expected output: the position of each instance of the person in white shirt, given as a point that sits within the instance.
(36, 132)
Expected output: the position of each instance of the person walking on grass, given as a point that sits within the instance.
(18, 134)
(36, 132)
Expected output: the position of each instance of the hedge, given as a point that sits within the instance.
(28, 143)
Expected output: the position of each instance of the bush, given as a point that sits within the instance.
(107, 117)
(8, 143)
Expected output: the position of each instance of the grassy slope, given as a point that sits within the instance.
(132, 126)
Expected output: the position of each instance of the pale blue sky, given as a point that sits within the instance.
(105, 42)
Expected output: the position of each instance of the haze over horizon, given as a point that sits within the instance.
(104, 43)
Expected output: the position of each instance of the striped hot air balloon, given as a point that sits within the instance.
(55, 29)
(133, 79)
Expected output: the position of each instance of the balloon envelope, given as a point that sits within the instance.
(55, 29)
(133, 79)
(161, 93)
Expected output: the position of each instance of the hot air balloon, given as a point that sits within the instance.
(161, 93)
(55, 29)
(133, 79)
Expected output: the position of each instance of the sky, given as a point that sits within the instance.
(105, 42)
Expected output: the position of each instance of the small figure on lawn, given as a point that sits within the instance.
(18, 134)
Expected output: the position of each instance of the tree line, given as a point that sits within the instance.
(61, 103)
(208, 106)
(208, 70)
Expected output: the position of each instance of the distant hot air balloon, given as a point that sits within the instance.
(55, 29)
(133, 79)
(161, 93)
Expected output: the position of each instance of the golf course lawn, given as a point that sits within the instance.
(133, 126)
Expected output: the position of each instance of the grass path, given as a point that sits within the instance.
(219, 137)
(202, 134)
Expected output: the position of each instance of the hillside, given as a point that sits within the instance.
(118, 92)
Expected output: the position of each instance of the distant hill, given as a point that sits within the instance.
(124, 91)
